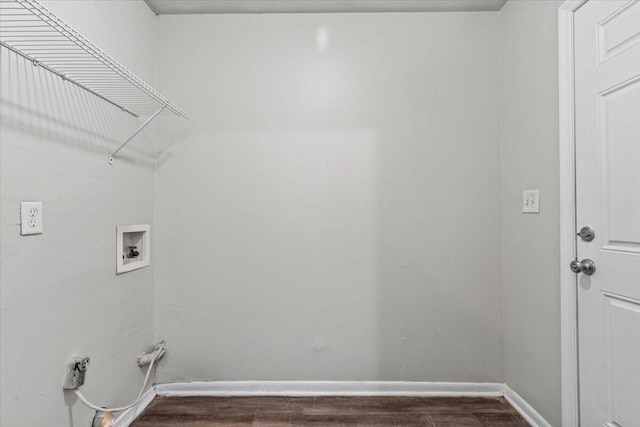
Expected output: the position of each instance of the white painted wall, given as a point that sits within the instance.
(344, 171)
(59, 293)
(531, 275)
(335, 213)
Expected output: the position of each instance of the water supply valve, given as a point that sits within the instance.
(133, 252)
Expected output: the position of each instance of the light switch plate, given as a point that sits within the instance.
(31, 218)
(531, 201)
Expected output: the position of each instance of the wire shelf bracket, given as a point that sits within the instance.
(32, 31)
(137, 131)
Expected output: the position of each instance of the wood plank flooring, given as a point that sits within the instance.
(329, 412)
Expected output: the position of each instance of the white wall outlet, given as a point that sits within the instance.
(31, 218)
(531, 201)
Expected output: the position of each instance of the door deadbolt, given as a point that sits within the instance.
(585, 266)
(587, 234)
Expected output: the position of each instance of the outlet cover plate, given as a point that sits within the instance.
(31, 218)
(531, 201)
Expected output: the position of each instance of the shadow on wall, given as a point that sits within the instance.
(42, 104)
(59, 289)
(170, 130)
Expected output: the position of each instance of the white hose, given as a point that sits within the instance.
(123, 408)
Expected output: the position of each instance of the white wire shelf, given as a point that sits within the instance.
(32, 31)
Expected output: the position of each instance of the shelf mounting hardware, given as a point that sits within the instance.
(137, 131)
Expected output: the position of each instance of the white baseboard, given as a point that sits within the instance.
(528, 413)
(131, 414)
(328, 388)
(333, 388)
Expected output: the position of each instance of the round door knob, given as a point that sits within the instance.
(575, 266)
(585, 266)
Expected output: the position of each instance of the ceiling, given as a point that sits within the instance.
(167, 7)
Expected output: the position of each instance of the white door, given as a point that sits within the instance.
(607, 75)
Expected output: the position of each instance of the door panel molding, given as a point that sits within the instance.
(622, 311)
(612, 43)
(621, 233)
(621, 298)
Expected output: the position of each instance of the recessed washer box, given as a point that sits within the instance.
(133, 247)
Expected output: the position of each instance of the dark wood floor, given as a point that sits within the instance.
(329, 412)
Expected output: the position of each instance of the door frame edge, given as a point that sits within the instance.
(568, 280)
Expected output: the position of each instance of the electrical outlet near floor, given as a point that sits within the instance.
(30, 218)
(531, 201)
(76, 372)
